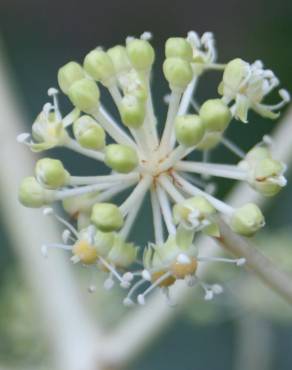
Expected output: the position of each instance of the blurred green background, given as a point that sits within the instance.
(40, 36)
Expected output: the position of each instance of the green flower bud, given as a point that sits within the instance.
(121, 158)
(99, 66)
(247, 220)
(141, 54)
(120, 59)
(198, 206)
(178, 47)
(122, 254)
(80, 203)
(84, 94)
(178, 72)
(234, 73)
(268, 177)
(132, 111)
(103, 242)
(189, 129)
(209, 141)
(89, 133)
(107, 217)
(51, 173)
(68, 74)
(31, 194)
(215, 115)
(258, 153)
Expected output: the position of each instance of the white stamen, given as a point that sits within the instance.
(44, 251)
(147, 35)
(66, 236)
(53, 91)
(217, 289)
(141, 299)
(108, 284)
(146, 275)
(128, 302)
(128, 276)
(48, 211)
(209, 295)
(75, 259)
(183, 259)
(92, 289)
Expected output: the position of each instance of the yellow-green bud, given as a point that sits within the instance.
(215, 115)
(119, 57)
(258, 153)
(247, 220)
(178, 72)
(268, 176)
(99, 66)
(182, 211)
(178, 47)
(89, 133)
(209, 141)
(84, 94)
(234, 73)
(107, 217)
(51, 173)
(79, 203)
(122, 254)
(141, 54)
(103, 242)
(68, 74)
(121, 158)
(189, 129)
(31, 194)
(132, 111)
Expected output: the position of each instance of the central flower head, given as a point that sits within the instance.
(141, 160)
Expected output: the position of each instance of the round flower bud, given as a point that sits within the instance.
(234, 73)
(215, 115)
(99, 66)
(31, 194)
(107, 217)
(51, 173)
(103, 242)
(120, 59)
(198, 204)
(122, 254)
(268, 177)
(68, 74)
(84, 94)
(121, 158)
(85, 252)
(209, 141)
(257, 153)
(178, 47)
(89, 133)
(79, 203)
(132, 111)
(178, 72)
(141, 54)
(189, 129)
(247, 220)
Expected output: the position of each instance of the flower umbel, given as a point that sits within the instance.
(141, 162)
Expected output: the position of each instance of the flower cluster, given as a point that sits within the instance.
(138, 158)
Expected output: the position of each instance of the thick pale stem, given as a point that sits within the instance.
(73, 145)
(157, 218)
(166, 210)
(278, 280)
(171, 114)
(187, 96)
(112, 128)
(171, 189)
(132, 216)
(135, 196)
(213, 169)
(178, 153)
(90, 180)
(193, 190)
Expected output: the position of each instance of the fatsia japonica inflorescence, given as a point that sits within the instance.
(142, 161)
